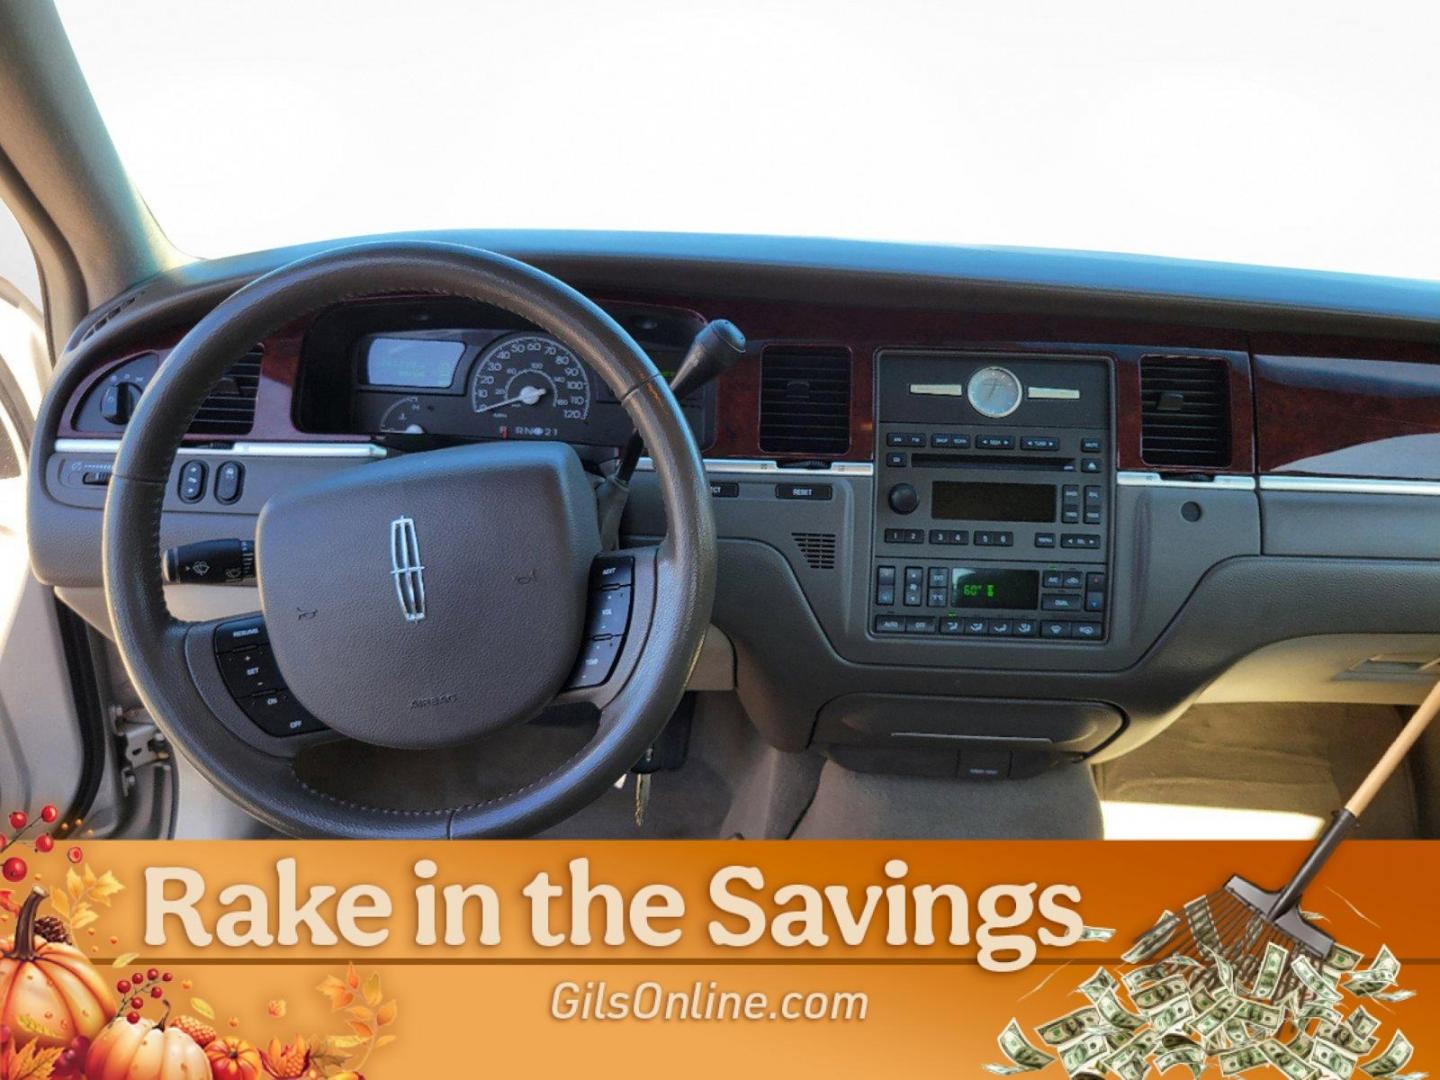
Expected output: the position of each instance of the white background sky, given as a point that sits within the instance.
(1300, 134)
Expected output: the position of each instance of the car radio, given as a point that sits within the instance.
(993, 495)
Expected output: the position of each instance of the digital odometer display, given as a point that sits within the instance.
(1011, 589)
(421, 363)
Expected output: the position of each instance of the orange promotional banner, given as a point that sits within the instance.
(852, 959)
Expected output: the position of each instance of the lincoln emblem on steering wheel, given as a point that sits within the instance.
(406, 568)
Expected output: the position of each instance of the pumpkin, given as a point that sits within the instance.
(49, 984)
(233, 1059)
(145, 1050)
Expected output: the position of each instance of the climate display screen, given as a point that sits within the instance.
(955, 501)
(1011, 589)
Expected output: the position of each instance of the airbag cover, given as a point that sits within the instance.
(425, 600)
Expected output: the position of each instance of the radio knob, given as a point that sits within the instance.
(904, 499)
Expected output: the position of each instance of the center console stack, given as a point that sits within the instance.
(994, 490)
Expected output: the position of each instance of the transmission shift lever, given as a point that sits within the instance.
(716, 348)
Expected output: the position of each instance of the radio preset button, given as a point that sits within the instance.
(904, 536)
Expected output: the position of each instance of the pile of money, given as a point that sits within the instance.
(1198, 1012)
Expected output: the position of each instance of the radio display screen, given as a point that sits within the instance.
(964, 501)
(974, 588)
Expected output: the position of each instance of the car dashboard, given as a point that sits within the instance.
(975, 516)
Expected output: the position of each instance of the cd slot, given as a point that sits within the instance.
(993, 461)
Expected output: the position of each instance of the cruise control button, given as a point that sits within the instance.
(609, 572)
(249, 671)
(597, 659)
(241, 634)
(609, 613)
(278, 713)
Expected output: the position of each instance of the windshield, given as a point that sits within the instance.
(1284, 134)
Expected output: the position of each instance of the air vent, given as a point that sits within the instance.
(100, 323)
(817, 548)
(805, 401)
(1184, 411)
(230, 407)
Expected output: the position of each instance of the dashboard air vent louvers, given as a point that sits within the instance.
(100, 323)
(805, 400)
(1184, 412)
(818, 549)
(230, 407)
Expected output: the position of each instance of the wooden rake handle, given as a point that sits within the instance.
(1390, 760)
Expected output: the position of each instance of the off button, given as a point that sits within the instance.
(813, 492)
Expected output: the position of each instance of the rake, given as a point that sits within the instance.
(1237, 922)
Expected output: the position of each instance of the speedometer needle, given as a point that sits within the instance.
(528, 395)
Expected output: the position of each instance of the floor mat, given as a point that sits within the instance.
(1258, 772)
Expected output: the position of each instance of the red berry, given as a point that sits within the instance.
(133, 1017)
(138, 978)
(123, 986)
(152, 974)
(19, 819)
(75, 854)
(15, 869)
(48, 813)
(156, 992)
(137, 1002)
(166, 977)
(44, 843)
(68, 1058)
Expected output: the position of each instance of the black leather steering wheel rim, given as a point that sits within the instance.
(152, 642)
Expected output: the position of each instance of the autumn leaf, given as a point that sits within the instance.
(84, 915)
(33, 1063)
(372, 990)
(73, 884)
(360, 1012)
(365, 1031)
(352, 977)
(203, 1007)
(384, 1040)
(88, 876)
(105, 888)
(124, 959)
(339, 994)
(344, 1042)
(386, 1013)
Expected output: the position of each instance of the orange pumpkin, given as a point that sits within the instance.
(51, 984)
(145, 1051)
(233, 1059)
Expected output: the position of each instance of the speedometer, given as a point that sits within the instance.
(531, 386)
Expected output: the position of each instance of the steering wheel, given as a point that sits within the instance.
(427, 599)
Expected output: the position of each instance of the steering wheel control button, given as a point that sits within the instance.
(250, 671)
(807, 492)
(229, 482)
(609, 613)
(240, 634)
(611, 572)
(277, 713)
(191, 488)
(597, 660)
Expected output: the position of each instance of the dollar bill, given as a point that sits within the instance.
(1023, 1057)
(1318, 986)
(1396, 1056)
(1283, 1058)
(1342, 959)
(1153, 940)
(1162, 993)
(1192, 1056)
(1391, 996)
(1083, 1052)
(1302, 1044)
(1385, 969)
(1361, 1022)
(1272, 966)
(1116, 1015)
(1148, 973)
(1223, 971)
(1173, 1015)
(1070, 1026)
(1097, 933)
(1346, 1038)
(1102, 982)
(1242, 1059)
(1202, 923)
(1333, 1059)
(1266, 1017)
(1213, 1019)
